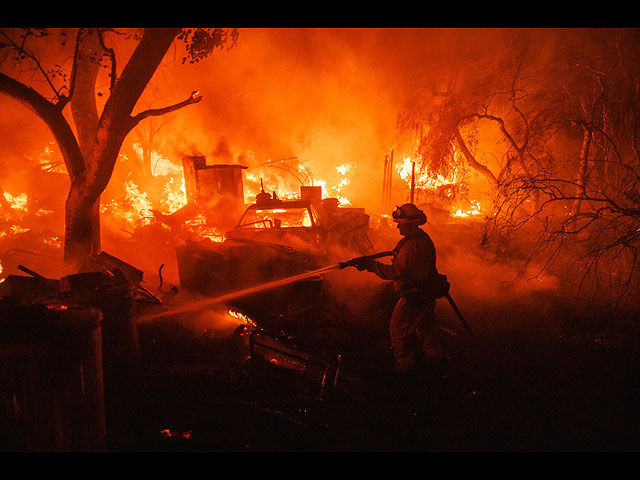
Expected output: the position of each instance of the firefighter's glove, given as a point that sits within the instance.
(363, 264)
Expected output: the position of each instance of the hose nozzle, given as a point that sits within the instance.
(354, 262)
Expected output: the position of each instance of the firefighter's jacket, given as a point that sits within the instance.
(412, 267)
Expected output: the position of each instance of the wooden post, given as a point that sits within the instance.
(413, 180)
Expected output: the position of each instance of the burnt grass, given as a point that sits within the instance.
(540, 374)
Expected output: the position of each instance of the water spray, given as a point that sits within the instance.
(200, 304)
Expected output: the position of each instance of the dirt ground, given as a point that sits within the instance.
(539, 375)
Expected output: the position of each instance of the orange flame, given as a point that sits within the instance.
(476, 209)
(17, 202)
(427, 181)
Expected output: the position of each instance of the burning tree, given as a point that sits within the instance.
(493, 96)
(554, 132)
(90, 143)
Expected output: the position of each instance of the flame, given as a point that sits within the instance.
(242, 318)
(298, 217)
(474, 210)
(53, 241)
(42, 212)
(176, 197)
(20, 203)
(15, 229)
(133, 204)
(136, 203)
(138, 200)
(17, 202)
(335, 191)
(49, 161)
(425, 180)
(343, 169)
(198, 227)
(160, 165)
(252, 187)
(292, 192)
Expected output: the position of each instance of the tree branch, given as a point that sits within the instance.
(21, 49)
(194, 98)
(112, 56)
(65, 99)
(54, 119)
(471, 159)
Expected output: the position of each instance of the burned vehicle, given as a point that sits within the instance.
(281, 222)
(273, 239)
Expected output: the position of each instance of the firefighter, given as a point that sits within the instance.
(412, 327)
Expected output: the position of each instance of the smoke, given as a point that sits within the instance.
(326, 96)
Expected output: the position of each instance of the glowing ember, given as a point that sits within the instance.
(53, 241)
(15, 229)
(167, 433)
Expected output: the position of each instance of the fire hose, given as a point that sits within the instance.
(442, 284)
(358, 260)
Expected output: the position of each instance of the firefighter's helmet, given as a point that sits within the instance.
(409, 213)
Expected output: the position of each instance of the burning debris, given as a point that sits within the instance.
(272, 239)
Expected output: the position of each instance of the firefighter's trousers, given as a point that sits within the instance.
(413, 326)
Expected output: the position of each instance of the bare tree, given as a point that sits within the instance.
(586, 229)
(566, 187)
(90, 151)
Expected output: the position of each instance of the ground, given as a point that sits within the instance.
(510, 392)
(539, 375)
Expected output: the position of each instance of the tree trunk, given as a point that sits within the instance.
(583, 174)
(85, 118)
(146, 159)
(473, 163)
(90, 157)
(83, 103)
(80, 218)
(82, 208)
